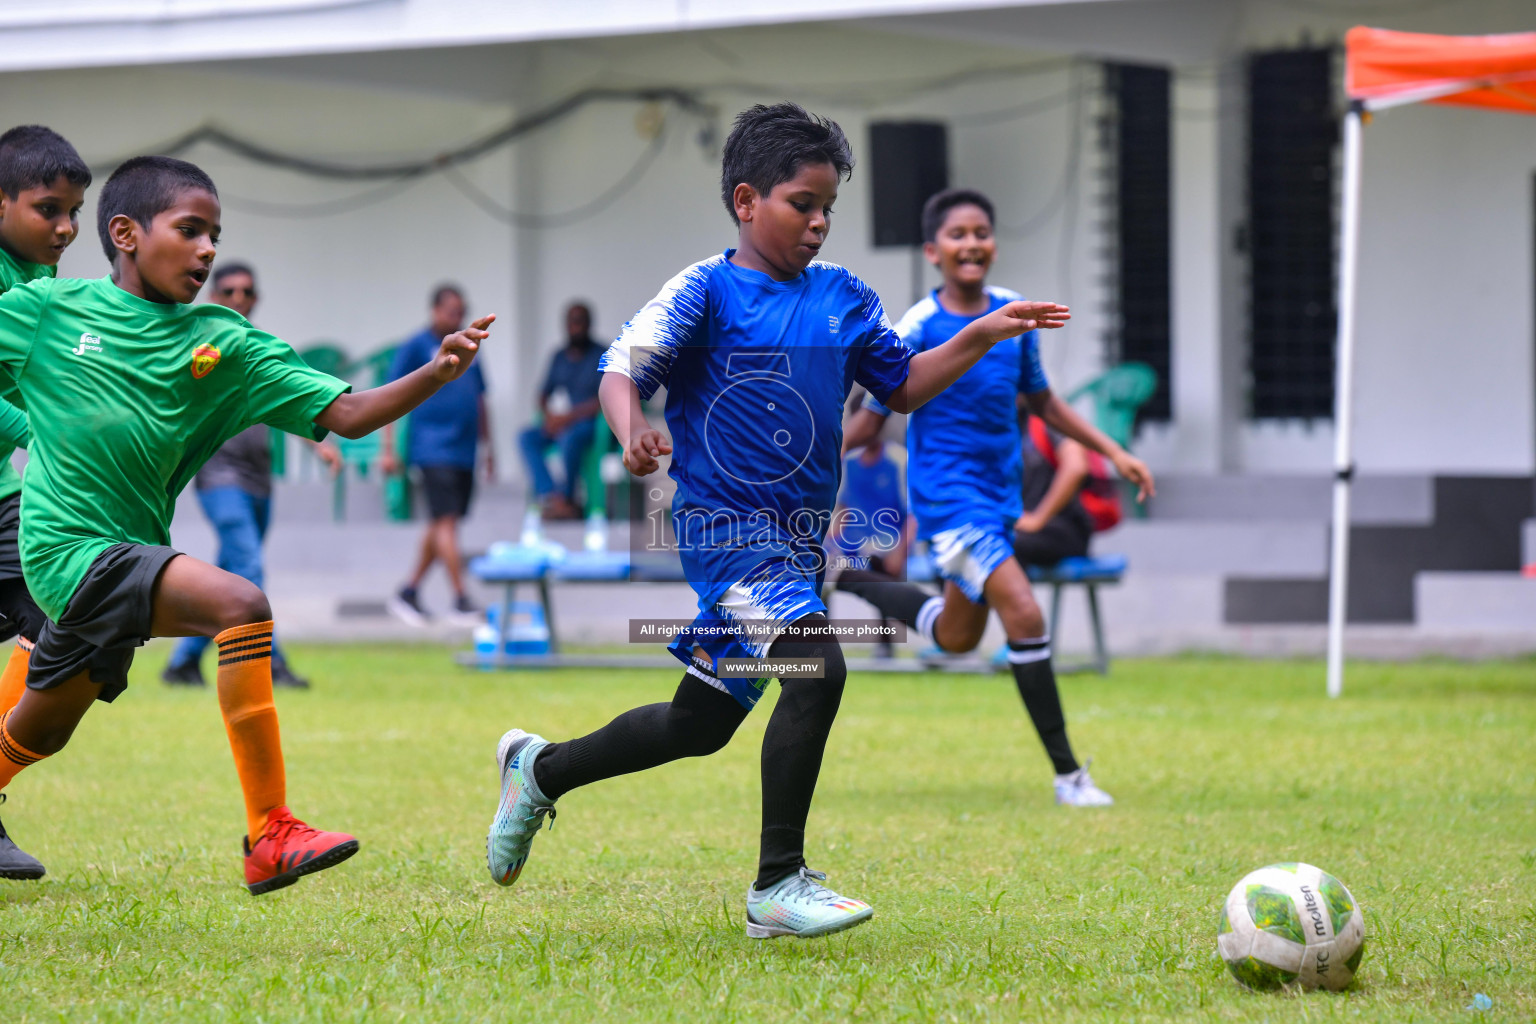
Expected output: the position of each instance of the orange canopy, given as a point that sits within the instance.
(1385, 68)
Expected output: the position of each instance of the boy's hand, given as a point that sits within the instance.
(1133, 469)
(458, 350)
(1029, 522)
(641, 452)
(1018, 318)
(330, 455)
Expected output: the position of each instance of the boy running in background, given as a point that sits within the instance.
(870, 524)
(42, 187)
(758, 348)
(129, 390)
(965, 474)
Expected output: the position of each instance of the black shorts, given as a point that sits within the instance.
(18, 612)
(448, 490)
(106, 619)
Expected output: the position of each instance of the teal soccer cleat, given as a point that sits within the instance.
(521, 812)
(801, 906)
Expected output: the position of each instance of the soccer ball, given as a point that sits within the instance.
(1291, 924)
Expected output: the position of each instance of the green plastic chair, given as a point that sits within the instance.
(591, 471)
(327, 357)
(375, 366)
(1118, 394)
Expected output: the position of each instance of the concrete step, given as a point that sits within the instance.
(1375, 500)
(1196, 548)
(1493, 602)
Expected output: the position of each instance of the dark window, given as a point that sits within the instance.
(1139, 141)
(1292, 134)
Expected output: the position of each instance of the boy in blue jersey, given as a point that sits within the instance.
(870, 524)
(758, 348)
(965, 473)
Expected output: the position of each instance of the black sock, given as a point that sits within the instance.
(1036, 680)
(699, 721)
(793, 746)
(894, 598)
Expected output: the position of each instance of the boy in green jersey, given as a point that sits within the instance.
(42, 187)
(129, 389)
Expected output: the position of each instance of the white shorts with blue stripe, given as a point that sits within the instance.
(967, 555)
(744, 623)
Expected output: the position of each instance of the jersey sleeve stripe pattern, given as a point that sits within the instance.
(647, 346)
(910, 329)
(869, 302)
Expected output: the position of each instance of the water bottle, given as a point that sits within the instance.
(533, 528)
(596, 537)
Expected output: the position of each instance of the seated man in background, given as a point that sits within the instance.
(568, 403)
(1069, 496)
(235, 489)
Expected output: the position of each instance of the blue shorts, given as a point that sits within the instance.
(744, 622)
(967, 555)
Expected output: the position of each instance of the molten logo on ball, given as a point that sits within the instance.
(1291, 924)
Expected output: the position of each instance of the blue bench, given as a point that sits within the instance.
(513, 565)
(1091, 573)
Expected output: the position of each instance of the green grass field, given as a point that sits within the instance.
(1418, 789)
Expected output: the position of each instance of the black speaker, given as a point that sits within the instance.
(909, 161)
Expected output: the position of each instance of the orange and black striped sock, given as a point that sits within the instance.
(13, 756)
(245, 698)
(13, 681)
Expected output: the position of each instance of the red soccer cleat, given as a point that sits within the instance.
(288, 850)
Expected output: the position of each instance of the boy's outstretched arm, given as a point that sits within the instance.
(1058, 414)
(937, 368)
(626, 418)
(360, 414)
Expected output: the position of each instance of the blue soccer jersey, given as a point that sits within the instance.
(757, 372)
(964, 461)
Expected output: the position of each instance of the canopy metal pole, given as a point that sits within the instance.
(1343, 462)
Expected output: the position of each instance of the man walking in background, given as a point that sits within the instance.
(235, 489)
(444, 436)
(568, 402)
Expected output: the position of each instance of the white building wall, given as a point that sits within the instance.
(360, 278)
(1446, 375)
(675, 216)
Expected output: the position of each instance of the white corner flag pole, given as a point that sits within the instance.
(1343, 462)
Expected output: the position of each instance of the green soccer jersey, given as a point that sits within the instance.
(13, 422)
(127, 398)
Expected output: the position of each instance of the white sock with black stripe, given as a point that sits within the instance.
(928, 617)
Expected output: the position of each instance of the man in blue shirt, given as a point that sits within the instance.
(568, 403)
(758, 348)
(445, 432)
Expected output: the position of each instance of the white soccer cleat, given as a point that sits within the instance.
(801, 906)
(1077, 789)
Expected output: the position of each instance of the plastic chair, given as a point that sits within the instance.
(591, 471)
(375, 368)
(1118, 394)
(327, 357)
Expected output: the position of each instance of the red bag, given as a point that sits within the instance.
(1100, 494)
